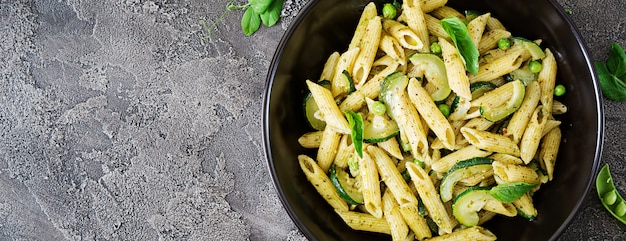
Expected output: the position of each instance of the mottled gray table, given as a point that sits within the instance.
(117, 122)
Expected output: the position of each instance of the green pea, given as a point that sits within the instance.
(559, 90)
(504, 43)
(420, 163)
(445, 109)
(610, 197)
(535, 66)
(378, 108)
(620, 209)
(389, 11)
(435, 48)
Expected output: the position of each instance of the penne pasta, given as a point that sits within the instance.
(407, 38)
(430, 113)
(368, 172)
(332, 115)
(364, 222)
(455, 70)
(368, 48)
(328, 148)
(397, 226)
(412, 10)
(311, 139)
(322, 183)
(430, 197)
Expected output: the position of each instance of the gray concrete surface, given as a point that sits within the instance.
(117, 122)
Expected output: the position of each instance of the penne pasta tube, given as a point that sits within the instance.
(415, 221)
(345, 63)
(430, 5)
(430, 197)
(368, 48)
(322, 183)
(430, 113)
(364, 222)
(547, 79)
(476, 27)
(455, 70)
(311, 139)
(490, 39)
(392, 147)
(329, 67)
(549, 150)
(345, 151)
(391, 212)
(392, 177)
(412, 10)
(514, 173)
(403, 34)
(368, 13)
(445, 163)
(532, 134)
(434, 28)
(476, 233)
(490, 141)
(499, 67)
(447, 11)
(520, 118)
(332, 115)
(328, 148)
(368, 172)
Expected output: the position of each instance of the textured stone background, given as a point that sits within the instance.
(118, 122)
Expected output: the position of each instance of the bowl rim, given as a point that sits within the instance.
(270, 77)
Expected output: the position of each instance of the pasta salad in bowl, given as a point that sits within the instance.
(432, 120)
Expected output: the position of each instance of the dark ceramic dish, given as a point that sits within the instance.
(325, 26)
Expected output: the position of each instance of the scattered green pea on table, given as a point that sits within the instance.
(609, 197)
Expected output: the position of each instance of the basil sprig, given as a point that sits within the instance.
(457, 31)
(612, 74)
(355, 120)
(256, 12)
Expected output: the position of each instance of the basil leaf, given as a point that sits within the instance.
(272, 14)
(509, 192)
(355, 120)
(260, 6)
(457, 31)
(617, 61)
(612, 87)
(250, 21)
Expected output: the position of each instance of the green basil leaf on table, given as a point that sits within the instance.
(260, 6)
(612, 87)
(457, 31)
(272, 14)
(617, 61)
(250, 21)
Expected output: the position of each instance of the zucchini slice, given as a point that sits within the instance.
(378, 127)
(310, 108)
(435, 72)
(466, 206)
(478, 89)
(391, 89)
(462, 170)
(346, 82)
(515, 92)
(344, 185)
(524, 75)
(533, 48)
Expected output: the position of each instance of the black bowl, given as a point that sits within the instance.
(324, 26)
